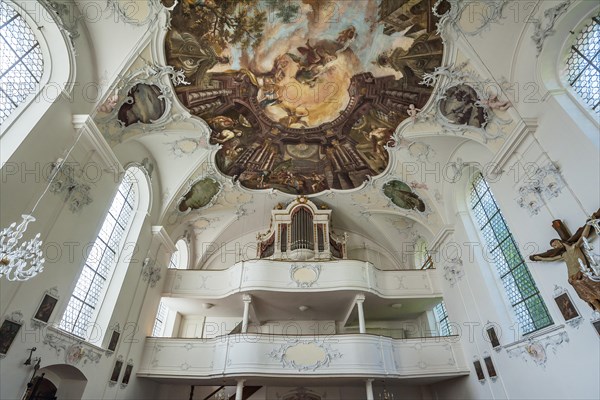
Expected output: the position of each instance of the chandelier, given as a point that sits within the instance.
(222, 394)
(385, 395)
(20, 261)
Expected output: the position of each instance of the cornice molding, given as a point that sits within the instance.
(525, 127)
(94, 141)
(163, 237)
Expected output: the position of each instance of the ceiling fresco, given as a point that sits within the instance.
(303, 96)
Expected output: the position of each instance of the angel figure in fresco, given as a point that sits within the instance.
(314, 57)
(569, 249)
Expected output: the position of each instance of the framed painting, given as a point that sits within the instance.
(46, 307)
(8, 332)
(114, 376)
(127, 374)
(596, 325)
(479, 370)
(114, 340)
(566, 306)
(491, 332)
(489, 365)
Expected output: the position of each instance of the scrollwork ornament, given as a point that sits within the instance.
(536, 349)
(545, 27)
(150, 272)
(448, 78)
(151, 74)
(126, 11)
(491, 12)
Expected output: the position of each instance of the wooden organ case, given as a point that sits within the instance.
(301, 231)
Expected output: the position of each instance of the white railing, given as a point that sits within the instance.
(271, 355)
(308, 276)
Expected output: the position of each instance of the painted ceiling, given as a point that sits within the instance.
(303, 96)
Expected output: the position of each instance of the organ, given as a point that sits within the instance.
(301, 231)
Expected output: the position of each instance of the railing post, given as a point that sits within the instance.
(247, 300)
(360, 299)
(239, 389)
(369, 387)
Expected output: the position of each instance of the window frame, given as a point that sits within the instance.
(510, 239)
(443, 324)
(570, 46)
(57, 80)
(158, 329)
(36, 48)
(117, 259)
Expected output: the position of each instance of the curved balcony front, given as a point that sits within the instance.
(302, 276)
(353, 355)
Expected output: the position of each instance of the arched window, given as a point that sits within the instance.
(90, 289)
(523, 294)
(423, 258)
(583, 64)
(159, 322)
(179, 258)
(21, 63)
(441, 316)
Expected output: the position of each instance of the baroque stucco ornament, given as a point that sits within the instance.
(74, 352)
(544, 184)
(66, 180)
(161, 79)
(485, 13)
(536, 349)
(150, 272)
(449, 79)
(137, 13)
(453, 271)
(305, 355)
(305, 275)
(545, 27)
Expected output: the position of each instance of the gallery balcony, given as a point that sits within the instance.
(333, 357)
(306, 276)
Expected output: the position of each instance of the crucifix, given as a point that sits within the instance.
(571, 249)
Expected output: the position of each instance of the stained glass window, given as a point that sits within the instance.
(21, 61)
(161, 315)
(583, 64)
(441, 315)
(523, 294)
(101, 260)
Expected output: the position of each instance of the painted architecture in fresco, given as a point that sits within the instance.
(303, 96)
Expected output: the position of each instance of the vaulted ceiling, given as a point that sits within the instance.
(212, 111)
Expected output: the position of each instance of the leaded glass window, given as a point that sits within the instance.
(101, 260)
(441, 315)
(583, 64)
(174, 260)
(21, 61)
(523, 294)
(161, 315)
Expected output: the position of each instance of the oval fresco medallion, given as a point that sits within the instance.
(144, 104)
(459, 106)
(402, 196)
(303, 96)
(200, 195)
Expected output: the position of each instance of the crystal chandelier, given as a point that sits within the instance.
(222, 395)
(385, 395)
(20, 261)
